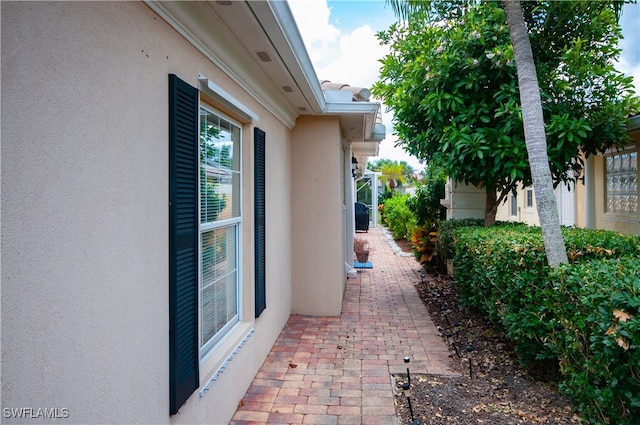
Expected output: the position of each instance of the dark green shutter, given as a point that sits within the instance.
(260, 207)
(183, 242)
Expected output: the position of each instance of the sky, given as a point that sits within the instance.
(340, 37)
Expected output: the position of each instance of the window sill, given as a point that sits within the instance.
(216, 361)
(621, 218)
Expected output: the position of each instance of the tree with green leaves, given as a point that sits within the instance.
(463, 90)
(394, 174)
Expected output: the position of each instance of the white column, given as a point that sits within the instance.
(589, 194)
(350, 187)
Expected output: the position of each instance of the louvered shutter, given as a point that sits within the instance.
(183, 242)
(260, 207)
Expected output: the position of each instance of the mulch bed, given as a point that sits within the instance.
(492, 388)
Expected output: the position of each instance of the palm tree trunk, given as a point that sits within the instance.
(535, 137)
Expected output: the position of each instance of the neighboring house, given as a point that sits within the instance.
(605, 196)
(176, 182)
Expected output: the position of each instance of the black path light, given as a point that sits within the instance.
(445, 313)
(469, 351)
(456, 329)
(406, 388)
(452, 343)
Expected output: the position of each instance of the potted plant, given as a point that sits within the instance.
(361, 248)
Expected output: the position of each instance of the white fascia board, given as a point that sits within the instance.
(203, 30)
(351, 107)
(280, 26)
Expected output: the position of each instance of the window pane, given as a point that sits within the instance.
(529, 198)
(218, 285)
(219, 168)
(622, 183)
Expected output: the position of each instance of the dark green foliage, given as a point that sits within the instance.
(382, 198)
(425, 205)
(451, 80)
(597, 337)
(584, 315)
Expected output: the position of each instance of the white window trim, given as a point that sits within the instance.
(527, 192)
(513, 201)
(220, 95)
(210, 347)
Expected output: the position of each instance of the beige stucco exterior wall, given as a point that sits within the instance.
(318, 220)
(85, 217)
(619, 223)
(463, 201)
(525, 214)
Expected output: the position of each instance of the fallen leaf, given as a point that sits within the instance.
(293, 365)
(622, 343)
(622, 315)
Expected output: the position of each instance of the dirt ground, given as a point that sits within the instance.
(491, 388)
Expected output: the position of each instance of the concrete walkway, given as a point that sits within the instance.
(336, 370)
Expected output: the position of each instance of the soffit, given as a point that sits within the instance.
(258, 45)
(231, 35)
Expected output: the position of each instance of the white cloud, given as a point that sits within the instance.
(350, 58)
(320, 37)
(632, 70)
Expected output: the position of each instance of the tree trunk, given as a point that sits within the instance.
(535, 137)
(490, 207)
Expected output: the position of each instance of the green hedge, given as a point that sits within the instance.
(597, 337)
(398, 217)
(584, 315)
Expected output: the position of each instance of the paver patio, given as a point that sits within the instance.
(337, 370)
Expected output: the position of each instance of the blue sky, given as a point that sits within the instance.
(340, 38)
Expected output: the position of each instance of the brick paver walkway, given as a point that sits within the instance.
(336, 370)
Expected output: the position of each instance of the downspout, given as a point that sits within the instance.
(374, 199)
(349, 185)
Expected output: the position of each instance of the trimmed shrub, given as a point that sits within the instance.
(446, 240)
(597, 337)
(584, 315)
(399, 217)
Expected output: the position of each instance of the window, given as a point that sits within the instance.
(622, 183)
(529, 198)
(204, 232)
(220, 219)
(514, 205)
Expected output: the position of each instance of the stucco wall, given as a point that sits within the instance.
(318, 219)
(620, 223)
(463, 201)
(85, 218)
